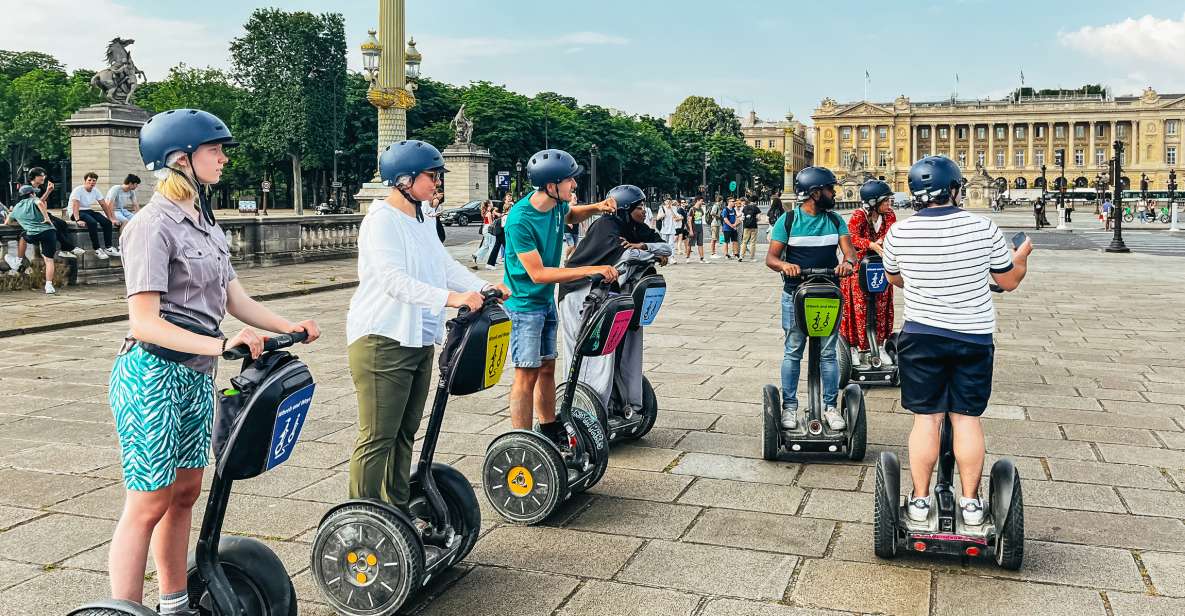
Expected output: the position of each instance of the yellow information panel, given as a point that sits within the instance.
(822, 315)
(497, 344)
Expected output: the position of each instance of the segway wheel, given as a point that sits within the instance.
(464, 513)
(113, 607)
(843, 356)
(853, 400)
(596, 442)
(584, 397)
(524, 477)
(366, 561)
(255, 572)
(649, 409)
(771, 418)
(887, 506)
(1010, 537)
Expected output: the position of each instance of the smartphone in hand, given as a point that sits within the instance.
(1019, 239)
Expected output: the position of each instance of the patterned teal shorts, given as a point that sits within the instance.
(163, 414)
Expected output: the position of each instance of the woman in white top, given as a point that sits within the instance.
(406, 279)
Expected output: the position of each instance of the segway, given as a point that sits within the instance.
(369, 556)
(525, 475)
(620, 421)
(879, 367)
(259, 421)
(817, 303)
(1000, 537)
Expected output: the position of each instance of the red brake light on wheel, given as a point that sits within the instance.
(972, 551)
(919, 546)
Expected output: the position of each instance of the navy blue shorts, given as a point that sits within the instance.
(944, 375)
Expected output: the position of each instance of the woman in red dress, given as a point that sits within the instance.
(867, 228)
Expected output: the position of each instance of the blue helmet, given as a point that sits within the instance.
(407, 159)
(552, 166)
(812, 178)
(873, 191)
(934, 178)
(627, 196)
(180, 130)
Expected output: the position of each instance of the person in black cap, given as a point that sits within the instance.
(38, 230)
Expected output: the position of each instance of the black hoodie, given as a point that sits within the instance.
(602, 244)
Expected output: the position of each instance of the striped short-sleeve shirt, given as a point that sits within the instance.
(945, 256)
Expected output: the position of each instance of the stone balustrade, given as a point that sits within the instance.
(254, 242)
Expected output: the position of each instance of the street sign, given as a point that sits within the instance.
(247, 206)
(732, 186)
(266, 186)
(336, 184)
(502, 180)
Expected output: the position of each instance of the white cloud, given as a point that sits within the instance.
(1152, 44)
(445, 50)
(77, 34)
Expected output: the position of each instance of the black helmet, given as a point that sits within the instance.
(552, 166)
(873, 191)
(934, 178)
(180, 130)
(407, 159)
(811, 178)
(627, 196)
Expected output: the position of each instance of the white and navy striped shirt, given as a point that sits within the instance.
(945, 255)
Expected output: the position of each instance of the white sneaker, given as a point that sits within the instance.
(919, 508)
(490, 267)
(13, 262)
(834, 419)
(101, 254)
(49, 290)
(789, 418)
(113, 252)
(78, 251)
(972, 511)
(66, 254)
(715, 257)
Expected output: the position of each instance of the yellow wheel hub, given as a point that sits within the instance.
(519, 481)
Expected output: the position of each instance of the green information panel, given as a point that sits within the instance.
(822, 315)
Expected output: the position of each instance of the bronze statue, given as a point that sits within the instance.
(462, 126)
(119, 81)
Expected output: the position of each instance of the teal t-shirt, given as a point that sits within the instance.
(814, 239)
(529, 230)
(29, 216)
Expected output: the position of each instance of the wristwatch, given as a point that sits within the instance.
(851, 262)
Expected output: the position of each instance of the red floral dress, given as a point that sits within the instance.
(851, 326)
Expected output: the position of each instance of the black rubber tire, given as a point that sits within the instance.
(649, 410)
(257, 575)
(384, 529)
(589, 430)
(1128, 217)
(584, 397)
(1010, 541)
(843, 357)
(771, 422)
(1164, 219)
(853, 400)
(495, 479)
(884, 517)
(460, 500)
(462, 220)
(126, 609)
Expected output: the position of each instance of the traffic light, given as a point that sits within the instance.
(1059, 157)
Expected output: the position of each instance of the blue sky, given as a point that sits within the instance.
(644, 57)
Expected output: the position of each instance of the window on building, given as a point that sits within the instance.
(1000, 134)
(1121, 129)
(1100, 129)
(883, 158)
(1059, 132)
(1079, 157)
(962, 159)
(882, 132)
(979, 158)
(1170, 127)
(1000, 158)
(756, 143)
(961, 132)
(1039, 157)
(1040, 128)
(924, 132)
(1123, 158)
(772, 144)
(1100, 156)
(942, 132)
(845, 133)
(1079, 131)
(1019, 158)
(1170, 155)
(1019, 132)
(864, 158)
(981, 132)
(864, 132)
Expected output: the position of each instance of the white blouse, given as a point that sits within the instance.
(405, 276)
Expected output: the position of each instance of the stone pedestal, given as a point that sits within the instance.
(469, 173)
(370, 191)
(104, 138)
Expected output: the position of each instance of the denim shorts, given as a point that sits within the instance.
(570, 239)
(532, 336)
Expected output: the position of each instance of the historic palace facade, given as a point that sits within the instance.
(793, 139)
(1010, 138)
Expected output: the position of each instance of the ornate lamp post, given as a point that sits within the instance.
(704, 185)
(1117, 244)
(592, 173)
(518, 185)
(1173, 200)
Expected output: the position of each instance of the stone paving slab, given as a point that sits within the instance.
(711, 570)
(863, 587)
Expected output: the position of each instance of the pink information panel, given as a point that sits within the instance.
(621, 321)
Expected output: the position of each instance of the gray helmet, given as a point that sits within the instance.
(551, 167)
(407, 159)
(934, 178)
(26, 191)
(873, 191)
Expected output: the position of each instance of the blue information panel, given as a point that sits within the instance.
(289, 421)
(651, 303)
(876, 281)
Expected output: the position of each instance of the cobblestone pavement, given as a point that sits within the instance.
(1088, 401)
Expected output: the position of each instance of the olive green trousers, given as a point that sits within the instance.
(392, 385)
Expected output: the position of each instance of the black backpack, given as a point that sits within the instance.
(789, 224)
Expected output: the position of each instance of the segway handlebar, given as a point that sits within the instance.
(995, 288)
(598, 279)
(815, 271)
(488, 296)
(273, 343)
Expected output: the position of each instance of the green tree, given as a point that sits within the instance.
(35, 104)
(13, 64)
(703, 115)
(769, 168)
(293, 66)
(436, 102)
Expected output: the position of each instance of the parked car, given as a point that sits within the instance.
(462, 216)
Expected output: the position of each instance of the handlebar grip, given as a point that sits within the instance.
(273, 343)
(596, 279)
(995, 288)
